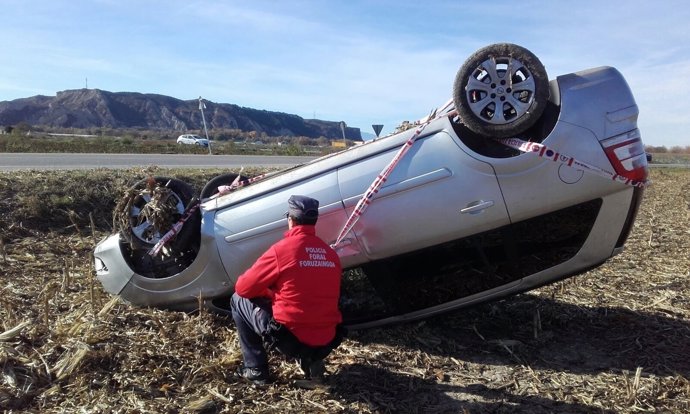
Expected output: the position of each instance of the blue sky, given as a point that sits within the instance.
(362, 62)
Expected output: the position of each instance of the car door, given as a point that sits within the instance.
(248, 222)
(437, 193)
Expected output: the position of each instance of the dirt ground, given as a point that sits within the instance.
(613, 340)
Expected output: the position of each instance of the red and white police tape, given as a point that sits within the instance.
(225, 189)
(194, 205)
(191, 209)
(543, 151)
(364, 202)
(536, 148)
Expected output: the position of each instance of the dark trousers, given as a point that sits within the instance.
(252, 317)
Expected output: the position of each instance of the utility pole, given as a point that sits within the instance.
(202, 106)
(342, 128)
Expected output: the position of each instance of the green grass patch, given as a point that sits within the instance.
(137, 145)
(670, 158)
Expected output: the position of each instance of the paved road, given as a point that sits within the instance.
(26, 161)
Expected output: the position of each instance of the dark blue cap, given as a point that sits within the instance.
(302, 207)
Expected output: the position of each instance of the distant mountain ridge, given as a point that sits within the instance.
(89, 108)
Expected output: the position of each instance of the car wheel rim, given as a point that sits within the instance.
(500, 90)
(152, 215)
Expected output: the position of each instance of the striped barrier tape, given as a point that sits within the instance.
(364, 202)
(225, 189)
(539, 149)
(543, 151)
(536, 148)
(194, 205)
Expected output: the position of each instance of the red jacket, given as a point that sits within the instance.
(302, 275)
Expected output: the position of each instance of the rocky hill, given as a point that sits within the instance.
(89, 108)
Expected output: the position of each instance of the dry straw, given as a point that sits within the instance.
(612, 340)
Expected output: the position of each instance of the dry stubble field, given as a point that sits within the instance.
(613, 340)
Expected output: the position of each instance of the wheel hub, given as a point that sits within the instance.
(491, 88)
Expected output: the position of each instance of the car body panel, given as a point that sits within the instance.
(441, 191)
(435, 165)
(244, 230)
(535, 185)
(116, 274)
(598, 99)
(595, 250)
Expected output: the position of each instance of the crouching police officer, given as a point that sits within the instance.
(288, 299)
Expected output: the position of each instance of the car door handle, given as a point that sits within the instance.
(477, 207)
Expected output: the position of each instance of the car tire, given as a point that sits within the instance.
(211, 187)
(142, 231)
(138, 236)
(481, 86)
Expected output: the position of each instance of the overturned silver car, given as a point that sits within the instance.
(517, 182)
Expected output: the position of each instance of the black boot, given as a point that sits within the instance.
(258, 376)
(312, 369)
